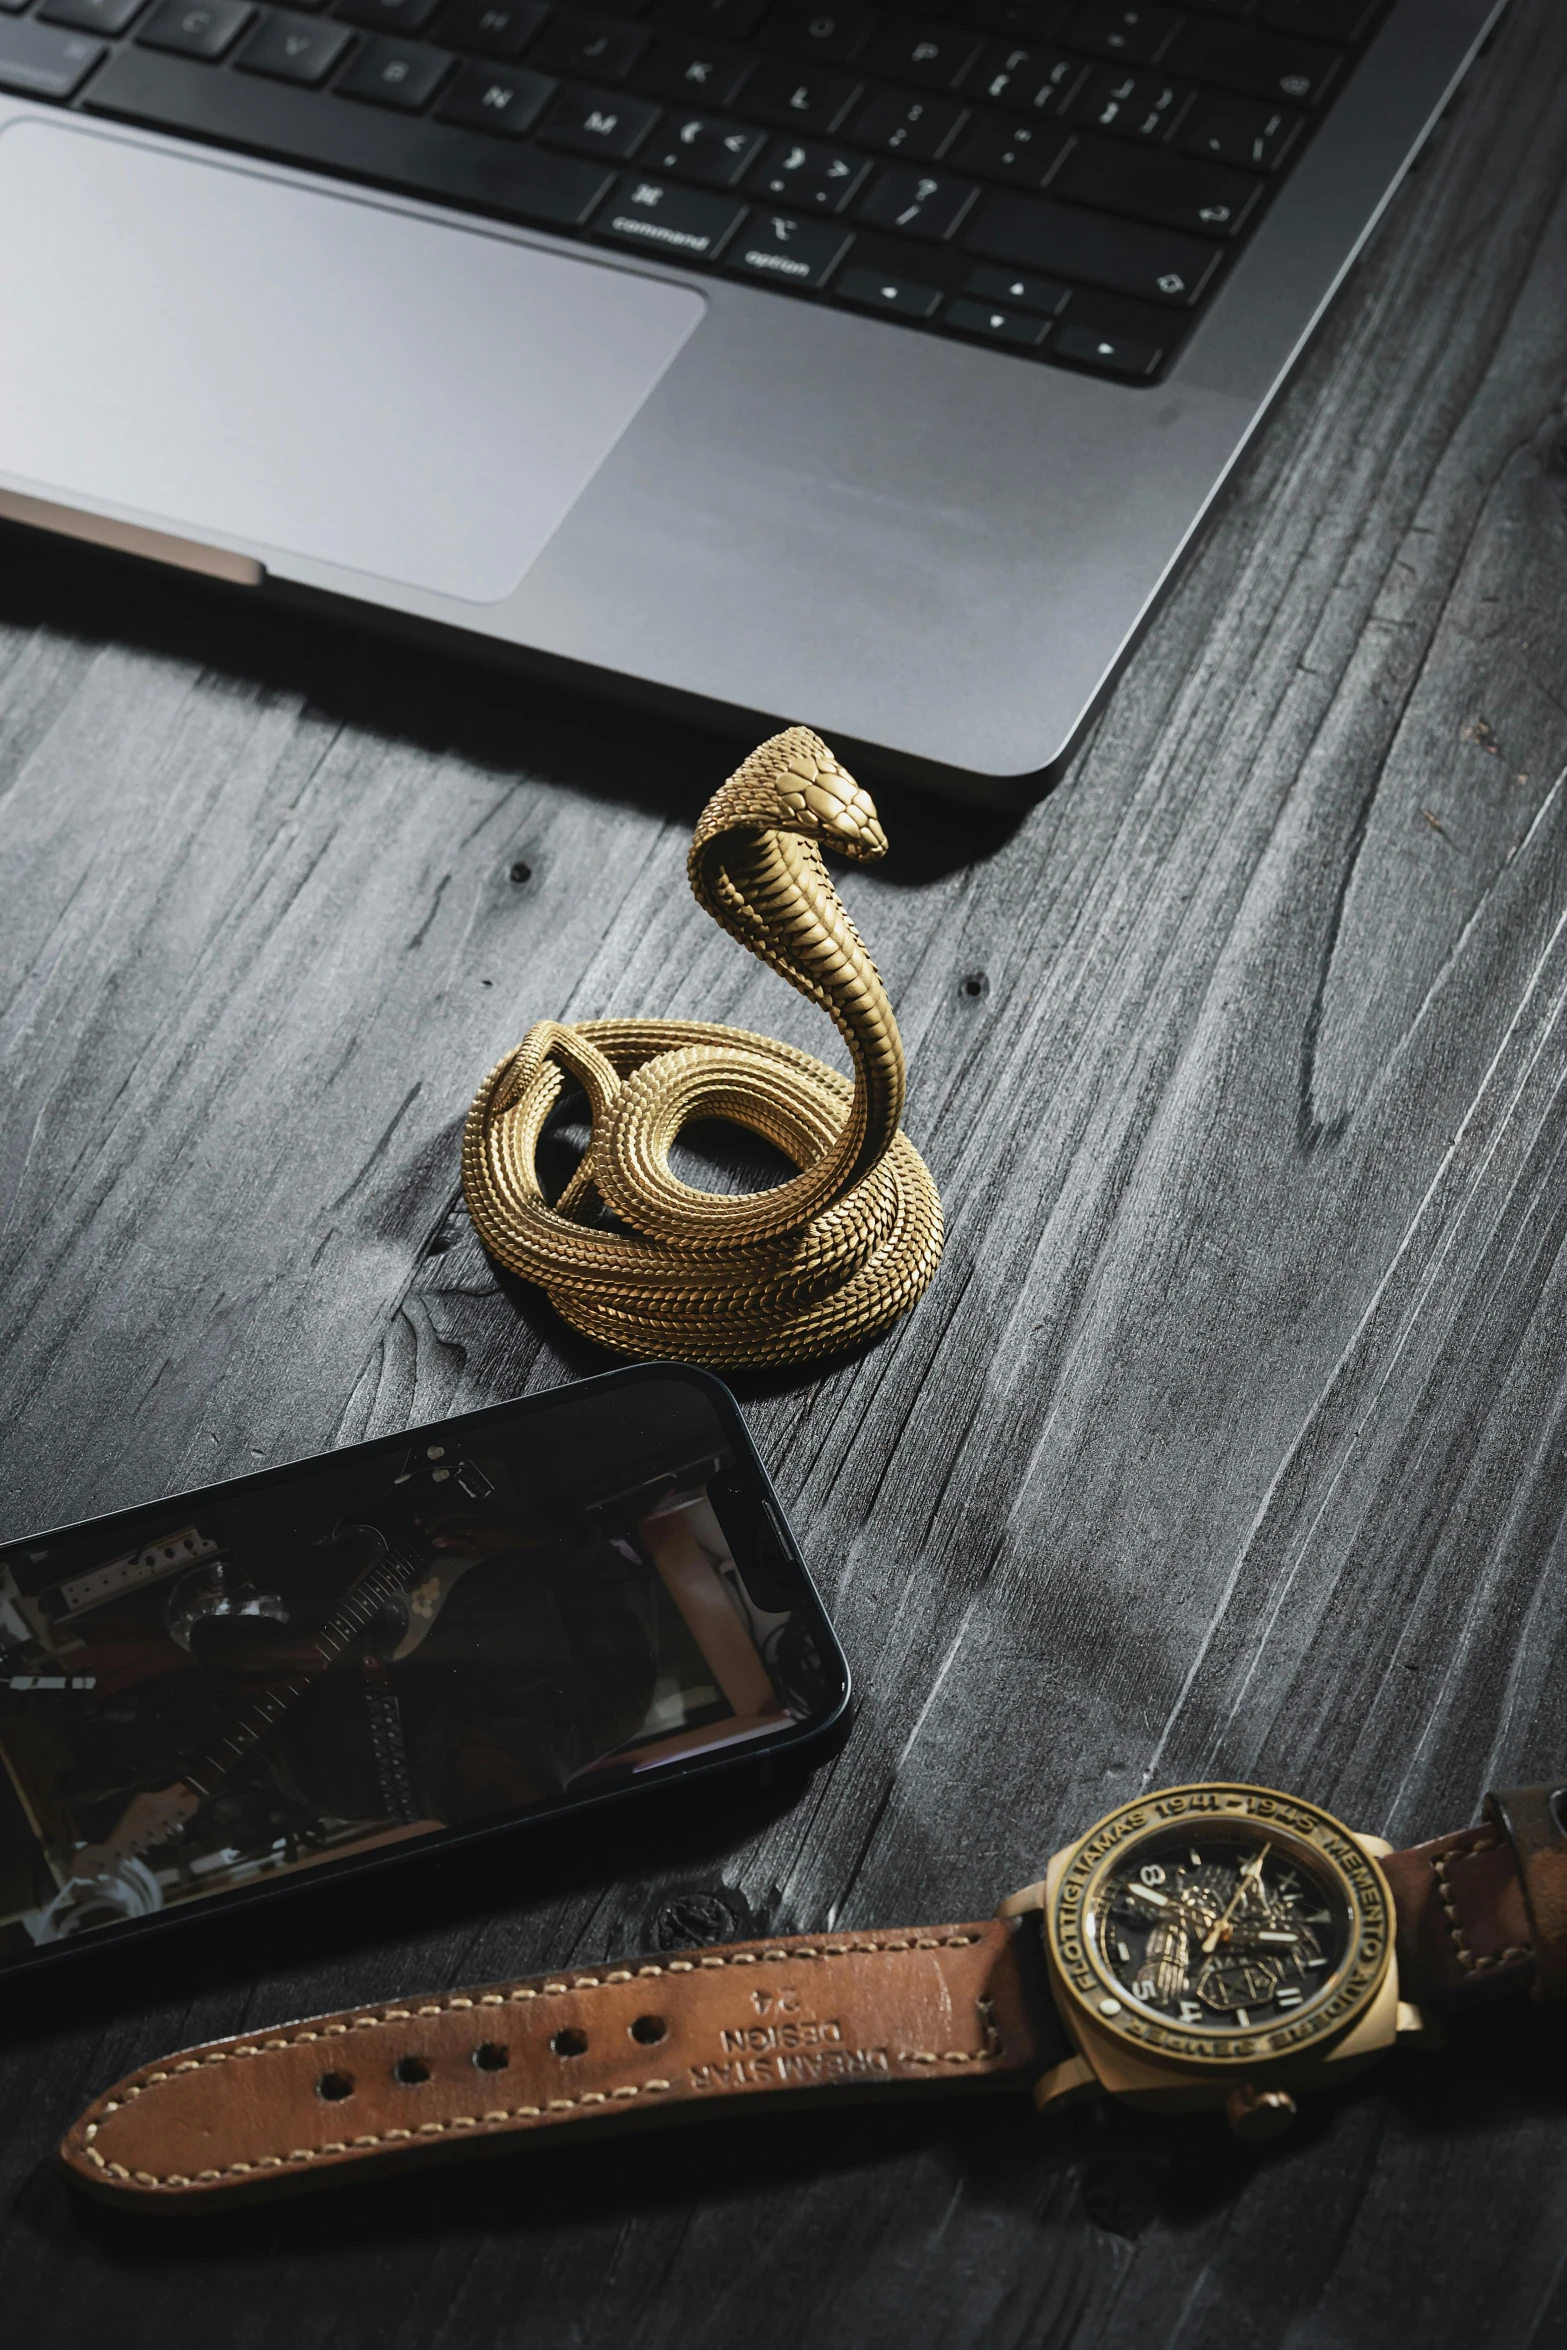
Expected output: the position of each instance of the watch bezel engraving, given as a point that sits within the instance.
(1106, 2006)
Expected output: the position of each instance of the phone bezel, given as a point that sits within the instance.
(786, 1741)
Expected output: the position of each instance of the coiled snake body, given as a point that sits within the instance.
(818, 1263)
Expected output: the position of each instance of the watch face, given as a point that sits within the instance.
(1221, 1924)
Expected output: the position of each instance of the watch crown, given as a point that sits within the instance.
(1256, 2113)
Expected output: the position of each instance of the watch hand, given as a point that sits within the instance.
(1248, 1877)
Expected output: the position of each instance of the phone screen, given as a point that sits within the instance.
(503, 1614)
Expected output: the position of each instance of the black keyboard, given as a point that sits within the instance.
(1064, 181)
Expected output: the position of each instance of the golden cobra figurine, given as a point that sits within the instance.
(818, 1263)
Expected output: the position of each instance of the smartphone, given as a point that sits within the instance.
(415, 1641)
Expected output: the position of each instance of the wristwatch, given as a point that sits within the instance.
(1205, 1946)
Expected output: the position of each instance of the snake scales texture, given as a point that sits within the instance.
(821, 1262)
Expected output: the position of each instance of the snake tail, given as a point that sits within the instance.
(644, 1263)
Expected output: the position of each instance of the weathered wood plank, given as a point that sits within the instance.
(1231, 1438)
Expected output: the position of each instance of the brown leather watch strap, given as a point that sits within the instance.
(1484, 1911)
(387, 2087)
(1531, 1819)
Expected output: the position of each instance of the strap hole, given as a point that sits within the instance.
(570, 2042)
(649, 2029)
(333, 2086)
(410, 2070)
(491, 2057)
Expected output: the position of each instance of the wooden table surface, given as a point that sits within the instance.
(1231, 1440)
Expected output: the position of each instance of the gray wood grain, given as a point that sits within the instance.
(1233, 1436)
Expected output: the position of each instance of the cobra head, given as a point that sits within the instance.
(792, 783)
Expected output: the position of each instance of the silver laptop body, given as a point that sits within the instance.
(638, 477)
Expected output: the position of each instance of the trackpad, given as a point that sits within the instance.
(307, 373)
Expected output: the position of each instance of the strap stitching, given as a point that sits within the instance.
(1467, 1958)
(992, 2047)
(301, 2155)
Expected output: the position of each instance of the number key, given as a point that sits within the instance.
(803, 172)
(1136, 35)
(925, 204)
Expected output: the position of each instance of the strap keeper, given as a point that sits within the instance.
(1531, 1818)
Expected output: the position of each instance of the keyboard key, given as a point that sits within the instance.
(203, 30)
(1023, 154)
(785, 251)
(799, 98)
(1016, 286)
(387, 16)
(694, 71)
(925, 204)
(1239, 130)
(43, 63)
(994, 325)
(1018, 20)
(1134, 35)
(1106, 353)
(1152, 184)
(293, 48)
(1132, 105)
(726, 20)
(91, 16)
(805, 173)
(898, 123)
(677, 222)
(599, 122)
(900, 297)
(834, 35)
(1260, 65)
(1328, 20)
(600, 47)
(1035, 81)
(1122, 256)
(504, 100)
(936, 56)
(512, 180)
(701, 147)
(401, 74)
(490, 28)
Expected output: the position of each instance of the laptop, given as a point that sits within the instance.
(759, 359)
